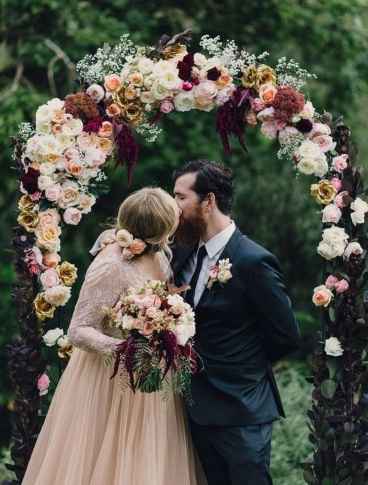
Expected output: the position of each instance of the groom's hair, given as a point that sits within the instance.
(210, 177)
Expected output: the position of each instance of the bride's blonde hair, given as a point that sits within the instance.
(149, 214)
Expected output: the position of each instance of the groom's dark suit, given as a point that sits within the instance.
(243, 326)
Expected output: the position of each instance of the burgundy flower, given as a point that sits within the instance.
(185, 67)
(213, 74)
(30, 180)
(230, 118)
(304, 126)
(170, 347)
(287, 102)
(92, 126)
(128, 149)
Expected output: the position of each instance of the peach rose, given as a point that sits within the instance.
(267, 93)
(137, 247)
(106, 129)
(113, 110)
(86, 202)
(74, 168)
(112, 82)
(49, 217)
(105, 144)
(69, 195)
(51, 260)
(224, 79)
(48, 237)
(322, 296)
(136, 78)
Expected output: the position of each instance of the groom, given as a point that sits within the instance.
(244, 324)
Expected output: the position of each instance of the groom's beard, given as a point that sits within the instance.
(190, 231)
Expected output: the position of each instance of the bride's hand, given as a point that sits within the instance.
(177, 289)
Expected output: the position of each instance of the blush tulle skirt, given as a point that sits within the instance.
(96, 433)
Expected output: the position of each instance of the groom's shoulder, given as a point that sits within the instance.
(252, 254)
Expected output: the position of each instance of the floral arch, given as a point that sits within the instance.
(125, 91)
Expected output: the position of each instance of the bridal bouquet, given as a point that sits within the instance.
(157, 327)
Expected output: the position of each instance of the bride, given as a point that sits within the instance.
(95, 433)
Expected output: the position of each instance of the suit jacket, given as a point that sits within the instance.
(243, 326)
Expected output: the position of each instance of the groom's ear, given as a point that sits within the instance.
(211, 200)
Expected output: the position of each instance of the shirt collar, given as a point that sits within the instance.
(219, 240)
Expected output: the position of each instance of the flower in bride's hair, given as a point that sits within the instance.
(124, 238)
(127, 254)
(58, 295)
(137, 247)
(43, 308)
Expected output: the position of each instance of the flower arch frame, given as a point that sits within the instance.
(125, 91)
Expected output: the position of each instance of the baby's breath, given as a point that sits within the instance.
(290, 73)
(149, 132)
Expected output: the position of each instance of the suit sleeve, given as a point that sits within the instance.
(267, 293)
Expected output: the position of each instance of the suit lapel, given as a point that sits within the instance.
(228, 252)
(181, 254)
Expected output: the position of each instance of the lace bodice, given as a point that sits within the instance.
(105, 280)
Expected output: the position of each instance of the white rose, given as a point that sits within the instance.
(357, 217)
(159, 92)
(183, 333)
(65, 141)
(51, 336)
(359, 205)
(206, 89)
(307, 166)
(58, 295)
(331, 214)
(145, 65)
(353, 248)
(308, 150)
(44, 181)
(321, 166)
(200, 60)
(184, 101)
(224, 275)
(163, 66)
(319, 129)
(96, 92)
(169, 80)
(333, 347)
(47, 168)
(147, 97)
(74, 127)
(55, 104)
(63, 341)
(128, 322)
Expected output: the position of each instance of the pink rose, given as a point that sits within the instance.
(51, 260)
(151, 312)
(43, 383)
(213, 272)
(72, 216)
(187, 86)
(49, 217)
(151, 301)
(331, 282)
(95, 157)
(320, 129)
(53, 192)
(322, 296)
(337, 183)
(331, 214)
(257, 104)
(49, 278)
(269, 129)
(341, 286)
(96, 92)
(166, 106)
(340, 163)
(206, 90)
(342, 199)
(325, 142)
(112, 82)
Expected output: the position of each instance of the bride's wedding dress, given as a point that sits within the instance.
(95, 433)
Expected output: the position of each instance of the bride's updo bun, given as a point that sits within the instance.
(150, 214)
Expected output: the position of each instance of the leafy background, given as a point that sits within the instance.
(41, 40)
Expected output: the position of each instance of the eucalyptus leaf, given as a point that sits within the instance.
(328, 388)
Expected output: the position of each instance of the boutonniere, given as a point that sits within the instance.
(220, 273)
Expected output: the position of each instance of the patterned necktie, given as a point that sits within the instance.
(202, 253)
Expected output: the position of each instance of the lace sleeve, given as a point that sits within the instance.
(101, 287)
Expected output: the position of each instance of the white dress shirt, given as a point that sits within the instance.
(214, 248)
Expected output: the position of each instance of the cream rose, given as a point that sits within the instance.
(69, 194)
(47, 237)
(333, 347)
(49, 278)
(52, 336)
(112, 82)
(72, 216)
(322, 296)
(58, 295)
(124, 238)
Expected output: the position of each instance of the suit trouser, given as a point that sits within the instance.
(236, 455)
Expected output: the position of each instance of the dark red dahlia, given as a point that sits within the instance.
(213, 74)
(92, 126)
(30, 180)
(185, 67)
(304, 126)
(287, 102)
